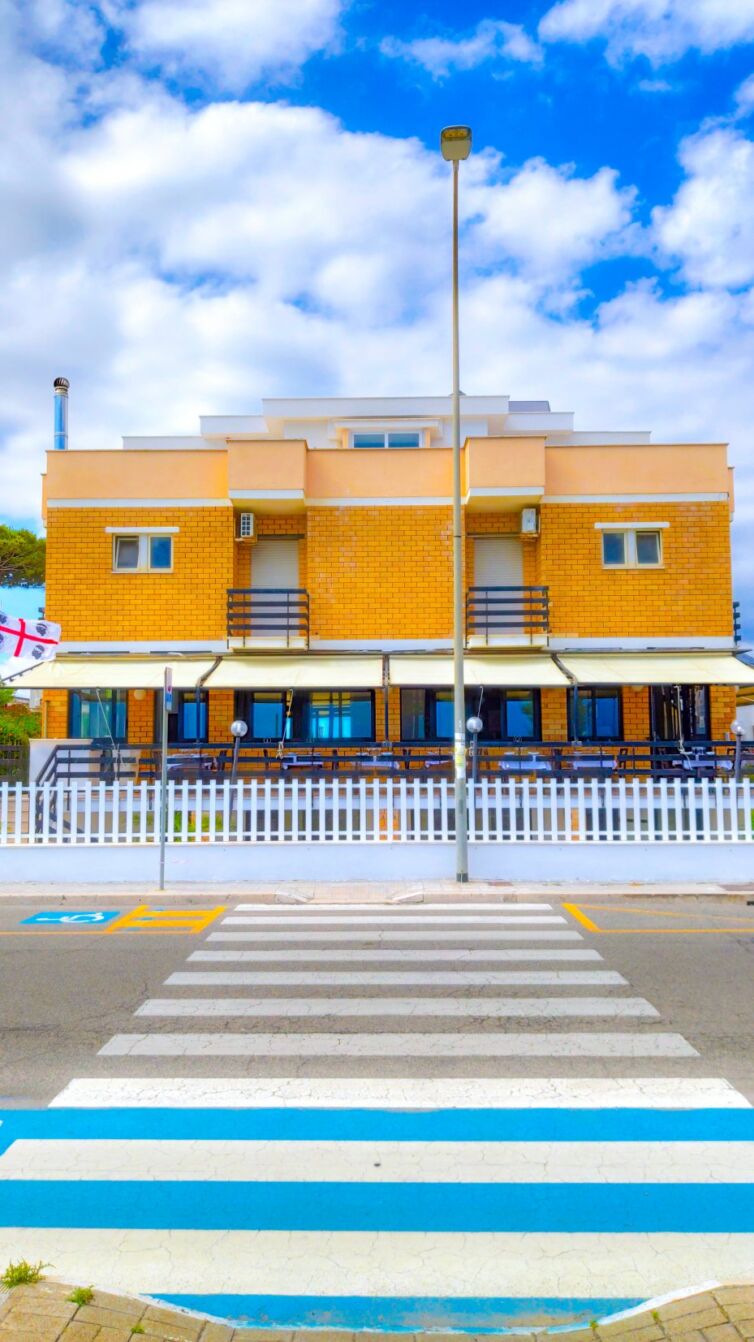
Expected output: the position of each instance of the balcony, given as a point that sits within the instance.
(507, 616)
(268, 617)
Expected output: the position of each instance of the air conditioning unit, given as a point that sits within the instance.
(530, 521)
(245, 528)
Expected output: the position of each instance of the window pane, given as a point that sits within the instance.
(339, 717)
(98, 714)
(369, 440)
(614, 547)
(606, 714)
(160, 552)
(403, 440)
(413, 722)
(444, 715)
(520, 714)
(356, 717)
(647, 547)
(580, 709)
(697, 699)
(193, 719)
(267, 717)
(127, 552)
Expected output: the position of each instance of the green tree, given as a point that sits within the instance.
(22, 558)
(17, 721)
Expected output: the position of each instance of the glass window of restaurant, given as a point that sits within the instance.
(507, 715)
(187, 720)
(595, 714)
(327, 716)
(679, 711)
(98, 715)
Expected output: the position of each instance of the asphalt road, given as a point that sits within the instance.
(63, 996)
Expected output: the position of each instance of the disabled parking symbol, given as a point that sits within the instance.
(83, 918)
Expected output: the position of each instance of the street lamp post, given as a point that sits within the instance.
(455, 144)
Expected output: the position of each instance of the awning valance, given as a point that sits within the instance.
(297, 673)
(649, 668)
(113, 673)
(513, 672)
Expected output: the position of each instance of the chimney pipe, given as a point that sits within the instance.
(60, 437)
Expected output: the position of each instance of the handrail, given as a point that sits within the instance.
(265, 612)
(494, 610)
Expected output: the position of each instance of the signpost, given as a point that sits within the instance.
(167, 704)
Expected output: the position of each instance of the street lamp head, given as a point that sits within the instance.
(737, 728)
(474, 725)
(455, 143)
(238, 728)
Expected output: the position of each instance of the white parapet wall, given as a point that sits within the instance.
(218, 864)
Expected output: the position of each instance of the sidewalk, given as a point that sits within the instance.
(42, 1313)
(368, 892)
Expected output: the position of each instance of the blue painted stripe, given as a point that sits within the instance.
(398, 1314)
(194, 1205)
(460, 1125)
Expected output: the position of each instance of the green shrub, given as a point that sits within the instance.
(22, 1274)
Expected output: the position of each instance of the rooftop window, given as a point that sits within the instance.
(387, 438)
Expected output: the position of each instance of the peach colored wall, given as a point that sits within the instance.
(379, 473)
(278, 465)
(684, 468)
(136, 475)
(505, 462)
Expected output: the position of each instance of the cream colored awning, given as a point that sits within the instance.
(297, 673)
(650, 668)
(112, 673)
(520, 672)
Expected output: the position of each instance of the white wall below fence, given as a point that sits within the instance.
(215, 864)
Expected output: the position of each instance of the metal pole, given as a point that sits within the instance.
(459, 696)
(163, 781)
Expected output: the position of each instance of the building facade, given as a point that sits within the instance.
(295, 570)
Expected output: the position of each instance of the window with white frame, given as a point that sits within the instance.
(633, 547)
(142, 552)
(387, 438)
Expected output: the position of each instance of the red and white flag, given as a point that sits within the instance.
(37, 639)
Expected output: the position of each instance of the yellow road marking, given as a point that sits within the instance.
(144, 919)
(576, 911)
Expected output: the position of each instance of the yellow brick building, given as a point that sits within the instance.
(294, 570)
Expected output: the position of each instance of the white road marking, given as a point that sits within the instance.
(315, 919)
(411, 909)
(479, 1007)
(382, 1161)
(477, 935)
(384, 1263)
(461, 955)
(458, 978)
(388, 1045)
(292, 1092)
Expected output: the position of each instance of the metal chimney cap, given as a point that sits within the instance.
(62, 383)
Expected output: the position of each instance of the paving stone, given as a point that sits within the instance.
(119, 1304)
(272, 1335)
(19, 1323)
(167, 1332)
(80, 1332)
(633, 1330)
(692, 1335)
(723, 1332)
(691, 1304)
(746, 1327)
(697, 1319)
(52, 1307)
(158, 1314)
(216, 1332)
(735, 1295)
(120, 1333)
(108, 1318)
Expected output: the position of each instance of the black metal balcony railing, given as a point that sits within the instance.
(278, 613)
(736, 621)
(494, 611)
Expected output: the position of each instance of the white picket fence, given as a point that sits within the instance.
(380, 811)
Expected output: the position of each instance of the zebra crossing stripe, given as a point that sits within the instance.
(406, 1007)
(357, 1264)
(461, 955)
(503, 1095)
(459, 978)
(418, 1045)
(366, 920)
(336, 938)
(621, 1162)
(411, 910)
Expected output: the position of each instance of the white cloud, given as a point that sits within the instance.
(744, 97)
(228, 43)
(491, 40)
(710, 224)
(661, 30)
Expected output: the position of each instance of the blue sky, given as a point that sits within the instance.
(214, 200)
